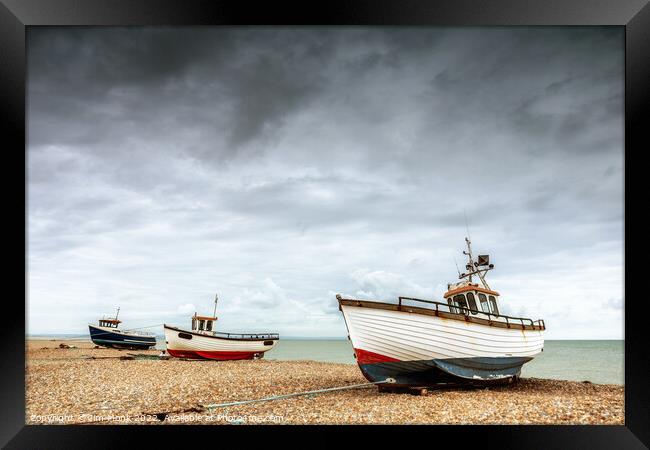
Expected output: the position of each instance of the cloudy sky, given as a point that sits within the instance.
(278, 167)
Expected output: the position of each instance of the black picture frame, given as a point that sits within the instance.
(16, 15)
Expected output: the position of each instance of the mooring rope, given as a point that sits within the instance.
(296, 394)
(161, 416)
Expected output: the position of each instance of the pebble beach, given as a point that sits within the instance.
(87, 385)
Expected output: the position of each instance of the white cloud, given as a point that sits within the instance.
(187, 308)
(381, 285)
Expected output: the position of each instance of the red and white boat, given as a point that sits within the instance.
(204, 342)
(465, 339)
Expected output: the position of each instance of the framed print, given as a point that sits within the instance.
(371, 217)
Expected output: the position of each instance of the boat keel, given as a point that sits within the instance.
(219, 356)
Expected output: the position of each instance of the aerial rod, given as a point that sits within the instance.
(470, 264)
(466, 224)
(457, 269)
(216, 299)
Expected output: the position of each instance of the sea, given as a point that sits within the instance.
(600, 362)
(597, 361)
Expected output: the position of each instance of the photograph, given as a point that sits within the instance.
(331, 225)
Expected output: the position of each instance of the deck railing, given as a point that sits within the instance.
(468, 312)
(139, 333)
(244, 336)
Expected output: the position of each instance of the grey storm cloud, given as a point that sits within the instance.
(283, 165)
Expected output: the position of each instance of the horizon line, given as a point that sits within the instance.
(54, 335)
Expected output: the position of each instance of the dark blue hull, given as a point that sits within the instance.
(120, 340)
(423, 373)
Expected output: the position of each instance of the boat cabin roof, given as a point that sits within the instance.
(467, 288)
(115, 321)
(203, 317)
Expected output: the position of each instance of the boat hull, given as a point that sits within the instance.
(201, 346)
(445, 370)
(426, 350)
(108, 338)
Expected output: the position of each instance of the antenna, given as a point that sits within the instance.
(457, 269)
(466, 225)
(216, 298)
(470, 264)
(117, 313)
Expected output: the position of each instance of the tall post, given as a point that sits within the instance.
(216, 298)
(471, 268)
(117, 313)
(470, 264)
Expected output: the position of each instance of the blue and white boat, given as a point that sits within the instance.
(107, 334)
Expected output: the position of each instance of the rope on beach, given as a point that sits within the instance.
(296, 394)
(163, 415)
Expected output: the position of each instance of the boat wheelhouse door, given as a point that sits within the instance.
(460, 301)
(471, 303)
(484, 302)
(493, 304)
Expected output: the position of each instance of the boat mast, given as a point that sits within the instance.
(470, 264)
(473, 267)
(117, 313)
(216, 298)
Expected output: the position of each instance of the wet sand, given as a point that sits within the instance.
(68, 386)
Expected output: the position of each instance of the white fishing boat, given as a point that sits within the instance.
(465, 339)
(204, 342)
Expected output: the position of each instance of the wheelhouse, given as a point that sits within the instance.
(470, 296)
(109, 323)
(203, 323)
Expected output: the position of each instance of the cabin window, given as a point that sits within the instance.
(193, 323)
(484, 303)
(450, 302)
(471, 301)
(460, 301)
(201, 324)
(208, 325)
(493, 304)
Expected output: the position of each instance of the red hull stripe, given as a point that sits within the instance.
(222, 356)
(366, 357)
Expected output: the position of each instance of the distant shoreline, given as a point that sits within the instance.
(549, 366)
(286, 338)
